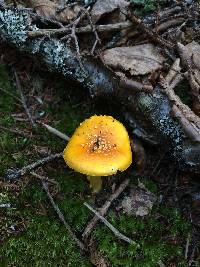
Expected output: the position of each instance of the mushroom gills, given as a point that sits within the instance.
(95, 183)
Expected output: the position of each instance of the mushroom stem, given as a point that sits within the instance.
(95, 183)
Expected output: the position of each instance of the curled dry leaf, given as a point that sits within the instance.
(103, 7)
(50, 10)
(190, 55)
(138, 60)
(139, 202)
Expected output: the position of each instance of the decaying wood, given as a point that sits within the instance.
(151, 111)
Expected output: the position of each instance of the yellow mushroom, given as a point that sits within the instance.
(100, 146)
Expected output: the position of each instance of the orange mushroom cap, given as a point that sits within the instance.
(100, 146)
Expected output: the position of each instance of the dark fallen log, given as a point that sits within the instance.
(152, 112)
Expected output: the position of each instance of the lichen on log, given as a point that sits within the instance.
(151, 111)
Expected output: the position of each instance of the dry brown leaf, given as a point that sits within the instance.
(139, 202)
(138, 60)
(49, 10)
(103, 7)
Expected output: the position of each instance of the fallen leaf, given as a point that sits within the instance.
(139, 202)
(138, 60)
(104, 7)
(50, 10)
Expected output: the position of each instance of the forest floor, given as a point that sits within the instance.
(32, 233)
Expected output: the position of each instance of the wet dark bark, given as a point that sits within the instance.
(150, 112)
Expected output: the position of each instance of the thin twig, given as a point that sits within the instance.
(172, 79)
(97, 39)
(189, 121)
(151, 33)
(23, 99)
(110, 226)
(61, 217)
(86, 29)
(190, 129)
(56, 132)
(15, 174)
(73, 35)
(174, 70)
(43, 178)
(169, 23)
(103, 210)
(187, 246)
(135, 85)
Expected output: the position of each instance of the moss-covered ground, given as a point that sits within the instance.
(31, 233)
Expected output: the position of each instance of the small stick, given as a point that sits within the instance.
(61, 217)
(174, 70)
(110, 226)
(15, 174)
(43, 178)
(172, 79)
(187, 246)
(104, 208)
(56, 132)
(135, 85)
(23, 99)
(85, 29)
(73, 35)
(190, 129)
(97, 39)
(170, 23)
(149, 32)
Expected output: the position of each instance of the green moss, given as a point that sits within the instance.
(143, 7)
(40, 239)
(44, 243)
(150, 234)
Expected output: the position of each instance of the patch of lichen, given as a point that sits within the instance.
(33, 234)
